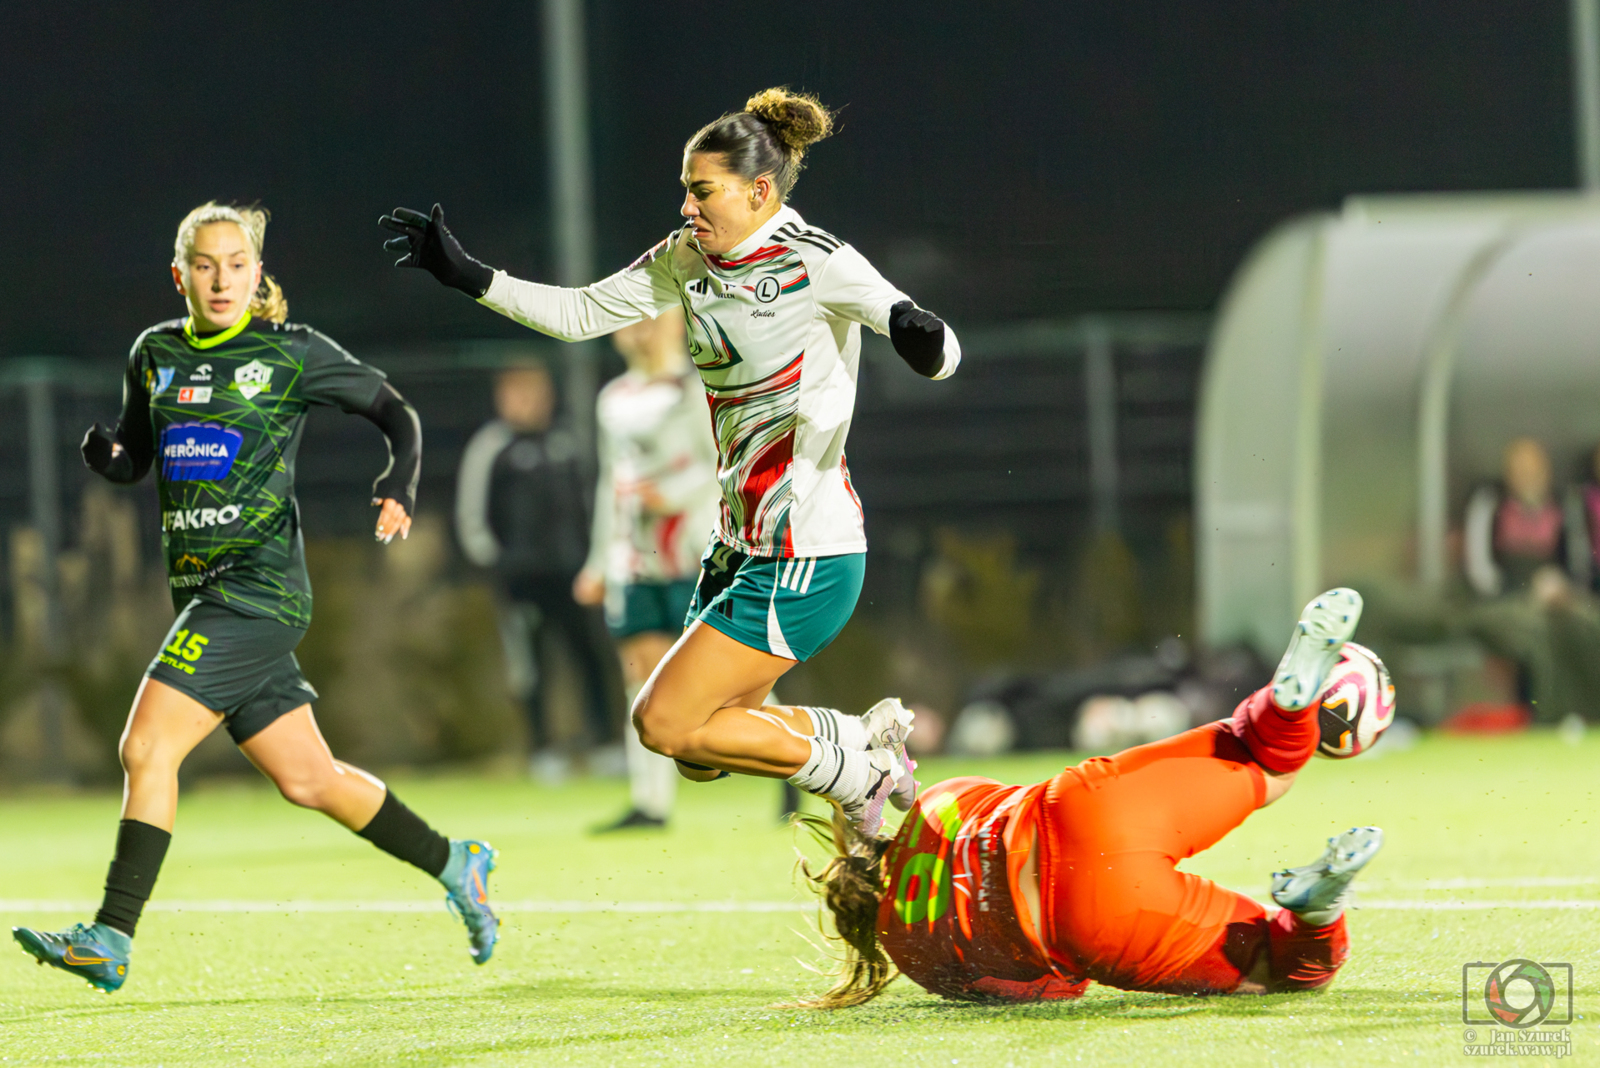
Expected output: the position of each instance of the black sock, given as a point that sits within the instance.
(401, 833)
(140, 850)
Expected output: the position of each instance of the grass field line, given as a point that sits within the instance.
(648, 907)
(24, 905)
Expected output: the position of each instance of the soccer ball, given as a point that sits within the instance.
(1357, 704)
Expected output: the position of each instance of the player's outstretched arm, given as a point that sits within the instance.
(396, 488)
(428, 244)
(124, 452)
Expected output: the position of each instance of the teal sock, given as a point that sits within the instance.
(118, 942)
(455, 865)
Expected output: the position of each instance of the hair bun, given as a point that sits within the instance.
(798, 119)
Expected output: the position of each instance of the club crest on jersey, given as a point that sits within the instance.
(198, 452)
(254, 377)
(158, 379)
(767, 289)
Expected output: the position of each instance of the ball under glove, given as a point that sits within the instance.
(918, 336)
(428, 243)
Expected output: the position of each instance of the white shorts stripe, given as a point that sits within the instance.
(787, 571)
(810, 568)
(775, 640)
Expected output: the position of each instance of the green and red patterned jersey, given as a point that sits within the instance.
(774, 328)
(223, 416)
(949, 918)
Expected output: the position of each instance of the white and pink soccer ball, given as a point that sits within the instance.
(1357, 704)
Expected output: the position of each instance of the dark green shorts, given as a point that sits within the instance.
(651, 606)
(240, 666)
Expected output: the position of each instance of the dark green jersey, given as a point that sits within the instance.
(225, 415)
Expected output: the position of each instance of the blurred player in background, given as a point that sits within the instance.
(220, 400)
(654, 507)
(774, 308)
(522, 511)
(1024, 893)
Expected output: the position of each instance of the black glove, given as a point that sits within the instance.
(429, 244)
(100, 457)
(918, 336)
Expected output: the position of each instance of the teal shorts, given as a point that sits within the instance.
(787, 606)
(650, 606)
(239, 666)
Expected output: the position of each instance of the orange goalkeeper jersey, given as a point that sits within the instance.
(950, 914)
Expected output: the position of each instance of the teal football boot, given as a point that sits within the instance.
(1318, 640)
(1317, 891)
(91, 951)
(466, 877)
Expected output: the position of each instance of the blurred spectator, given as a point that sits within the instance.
(1528, 559)
(655, 508)
(1516, 528)
(521, 511)
(1583, 512)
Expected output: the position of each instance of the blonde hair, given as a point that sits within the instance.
(268, 302)
(851, 886)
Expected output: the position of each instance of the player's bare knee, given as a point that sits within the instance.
(655, 732)
(306, 791)
(141, 754)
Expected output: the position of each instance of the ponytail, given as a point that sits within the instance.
(851, 886)
(268, 301)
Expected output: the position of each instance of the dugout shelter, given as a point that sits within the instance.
(1365, 371)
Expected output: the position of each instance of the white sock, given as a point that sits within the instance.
(652, 778)
(834, 772)
(835, 726)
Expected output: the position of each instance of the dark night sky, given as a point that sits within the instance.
(996, 160)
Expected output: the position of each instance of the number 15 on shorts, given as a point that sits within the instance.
(188, 647)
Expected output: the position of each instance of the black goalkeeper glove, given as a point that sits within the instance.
(428, 243)
(918, 336)
(101, 456)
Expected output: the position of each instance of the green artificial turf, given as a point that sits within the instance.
(1468, 821)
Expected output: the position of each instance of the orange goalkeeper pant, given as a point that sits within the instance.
(1115, 908)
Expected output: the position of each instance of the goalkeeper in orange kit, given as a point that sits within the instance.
(1024, 893)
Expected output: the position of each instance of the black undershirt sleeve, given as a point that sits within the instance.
(132, 431)
(402, 430)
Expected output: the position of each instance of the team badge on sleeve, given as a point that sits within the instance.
(198, 452)
(158, 379)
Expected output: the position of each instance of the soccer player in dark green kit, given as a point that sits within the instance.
(218, 400)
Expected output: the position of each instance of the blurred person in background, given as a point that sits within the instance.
(220, 399)
(1583, 514)
(655, 506)
(1528, 559)
(774, 308)
(522, 512)
(1517, 527)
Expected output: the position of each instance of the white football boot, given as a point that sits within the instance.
(888, 726)
(1325, 625)
(1317, 892)
(866, 811)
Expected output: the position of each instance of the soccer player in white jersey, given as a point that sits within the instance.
(774, 308)
(654, 506)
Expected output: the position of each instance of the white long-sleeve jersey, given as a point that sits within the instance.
(656, 502)
(775, 331)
